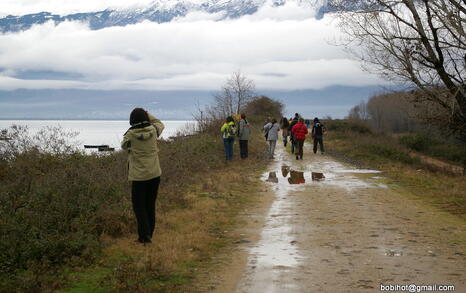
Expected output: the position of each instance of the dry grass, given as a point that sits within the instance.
(185, 241)
(67, 220)
(199, 198)
(438, 189)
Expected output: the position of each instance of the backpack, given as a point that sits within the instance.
(318, 129)
(268, 130)
(231, 131)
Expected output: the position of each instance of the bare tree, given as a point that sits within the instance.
(237, 91)
(363, 113)
(359, 112)
(417, 42)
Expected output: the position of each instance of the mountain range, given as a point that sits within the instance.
(160, 11)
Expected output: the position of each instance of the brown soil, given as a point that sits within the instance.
(438, 165)
(347, 233)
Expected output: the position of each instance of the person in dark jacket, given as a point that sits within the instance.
(284, 124)
(292, 138)
(318, 131)
(299, 131)
(143, 168)
(244, 132)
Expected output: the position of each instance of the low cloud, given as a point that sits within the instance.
(279, 47)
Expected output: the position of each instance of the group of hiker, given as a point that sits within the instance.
(140, 141)
(296, 129)
(230, 131)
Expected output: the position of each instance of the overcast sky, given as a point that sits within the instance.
(278, 47)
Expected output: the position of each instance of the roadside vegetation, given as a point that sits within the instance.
(418, 136)
(386, 133)
(67, 223)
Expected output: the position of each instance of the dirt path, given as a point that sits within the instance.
(347, 233)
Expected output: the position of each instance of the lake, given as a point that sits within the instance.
(98, 132)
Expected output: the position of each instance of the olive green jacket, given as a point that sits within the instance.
(141, 143)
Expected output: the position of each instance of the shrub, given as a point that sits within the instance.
(347, 125)
(56, 206)
(391, 153)
(55, 203)
(454, 152)
(417, 142)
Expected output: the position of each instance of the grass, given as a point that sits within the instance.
(185, 241)
(386, 153)
(435, 147)
(90, 281)
(67, 224)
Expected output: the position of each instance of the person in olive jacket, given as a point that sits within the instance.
(244, 132)
(143, 168)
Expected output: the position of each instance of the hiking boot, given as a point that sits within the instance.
(143, 240)
(297, 158)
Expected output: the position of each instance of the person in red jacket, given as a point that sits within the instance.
(299, 132)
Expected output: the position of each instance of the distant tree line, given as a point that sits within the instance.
(397, 113)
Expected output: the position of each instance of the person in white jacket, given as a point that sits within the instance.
(271, 130)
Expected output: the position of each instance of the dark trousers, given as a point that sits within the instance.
(285, 140)
(320, 141)
(228, 145)
(293, 144)
(143, 196)
(243, 148)
(299, 147)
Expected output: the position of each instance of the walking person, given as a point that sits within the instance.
(299, 131)
(143, 169)
(292, 138)
(266, 122)
(318, 131)
(284, 124)
(244, 132)
(228, 130)
(271, 130)
(307, 122)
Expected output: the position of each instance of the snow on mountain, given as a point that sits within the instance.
(159, 11)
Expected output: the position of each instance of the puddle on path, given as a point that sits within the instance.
(334, 173)
(361, 171)
(274, 261)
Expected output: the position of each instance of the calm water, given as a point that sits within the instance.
(96, 132)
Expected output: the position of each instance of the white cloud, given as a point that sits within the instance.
(278, 47)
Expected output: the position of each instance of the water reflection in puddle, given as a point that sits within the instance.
(274, 260)
(296, 177)
(285, 170)
(331, 173)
